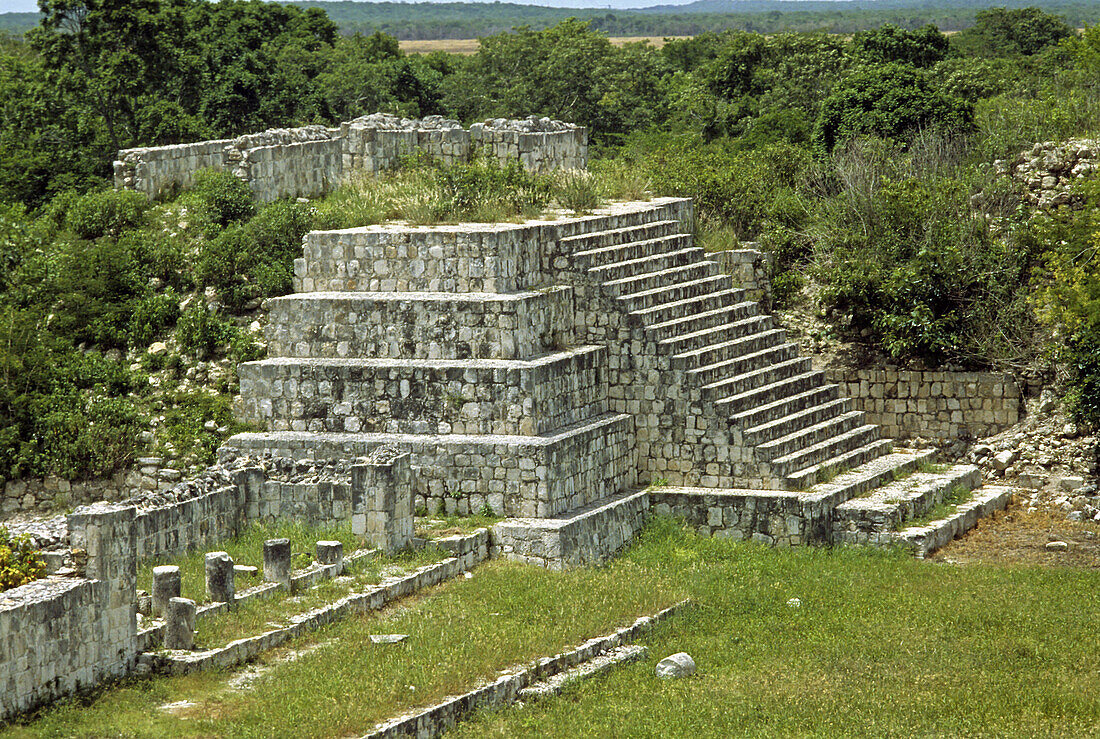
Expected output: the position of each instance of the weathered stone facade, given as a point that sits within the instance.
(309, 161)
(939, 405)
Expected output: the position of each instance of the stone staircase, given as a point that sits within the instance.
(541, 370)
(717, 350)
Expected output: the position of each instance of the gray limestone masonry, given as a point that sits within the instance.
(932, 404)
(309, 161)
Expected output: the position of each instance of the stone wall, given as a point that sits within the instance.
(426, 396)
(54, 493)
(440, 326)
(932, 404)
(309, 161)
(64, 634)
(750, 269)
(771, 517)
(511, 476)
(582, 537)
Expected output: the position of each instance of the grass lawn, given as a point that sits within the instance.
(882, 645)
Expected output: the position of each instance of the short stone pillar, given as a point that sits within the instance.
(220, 585)
(330, 552)
(166, 586)
(382, 499)
(277, 565)
(179, 624)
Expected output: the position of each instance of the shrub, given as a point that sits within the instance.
(220, 199)
(19, 560)
(106, 213)
(153, 314)
(487, 189)
(200, 332)
(255, 259)
(891, 101)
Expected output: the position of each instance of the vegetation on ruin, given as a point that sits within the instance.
(20, 562)
(863, 163)
(882, 644)
(256, 616)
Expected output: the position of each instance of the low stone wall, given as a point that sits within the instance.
(62, 635)
(771, 517)
(309, 161)
(932, 404)
(55, 493)
(176, 528)
(583, 537)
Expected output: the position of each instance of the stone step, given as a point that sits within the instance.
(710, 335)
(764, 359)
(868, 475)
(739, 393)
(617, 271)
(420, 325)
(763, 414)
(810, 409)
(863, 520)
(597, 245)
(814, 443)
(476, 396)
(675, 292)
(620, 253)
(826, 451)
(629, 216)
(585, 536)
(687, 325)
(642, 283)
(731, 349)
(515, 475)
(929, 537)
(689, 307)
(801, 479)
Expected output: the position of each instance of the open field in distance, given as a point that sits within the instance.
(469, 45)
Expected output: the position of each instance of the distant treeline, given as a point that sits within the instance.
(428, 20)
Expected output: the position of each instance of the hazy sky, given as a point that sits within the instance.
(27, 6)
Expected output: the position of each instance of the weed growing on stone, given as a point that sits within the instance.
(952, 499)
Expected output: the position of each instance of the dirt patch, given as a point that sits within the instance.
(1019, 536)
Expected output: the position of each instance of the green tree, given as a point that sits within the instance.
(921, 48)
(891, 101)
(1005, 32)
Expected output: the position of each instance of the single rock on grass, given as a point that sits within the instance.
(677, 665)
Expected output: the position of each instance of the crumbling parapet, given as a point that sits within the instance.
(382, 499)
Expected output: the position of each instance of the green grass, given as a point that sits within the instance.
(248, 549)
(883, 645)
(952, 499)
(464, 631)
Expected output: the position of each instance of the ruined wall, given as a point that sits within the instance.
(309, 161)
(932, 404)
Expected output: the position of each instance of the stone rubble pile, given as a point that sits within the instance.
(530, 124)
(388, 122)
(1049, 169)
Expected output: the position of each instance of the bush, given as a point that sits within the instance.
(19, 560)
(747, 191)
(153, 314)
(220, 199)
(1069, 297)
(200, 332)
(106, 213)
(908, 267)
(255, 259)
(485, 188)
(891, 101)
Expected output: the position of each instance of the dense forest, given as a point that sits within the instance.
(457, 20)
(863, 163)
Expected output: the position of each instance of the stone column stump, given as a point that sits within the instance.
(179, 625)
(277, 565)
(166, 586)
(220, 585)
(382, 499)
